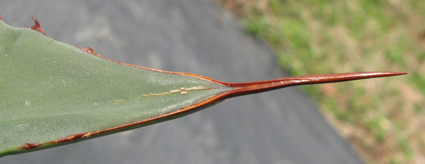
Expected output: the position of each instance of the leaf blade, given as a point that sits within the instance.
(50, 90)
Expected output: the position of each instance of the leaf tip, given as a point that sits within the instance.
(261, 86)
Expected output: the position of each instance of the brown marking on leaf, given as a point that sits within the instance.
(37, 27)
(30, 146)
(69, 138)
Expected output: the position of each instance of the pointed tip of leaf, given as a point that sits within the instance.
(261, 86)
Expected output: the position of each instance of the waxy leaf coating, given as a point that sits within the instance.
(53, 93)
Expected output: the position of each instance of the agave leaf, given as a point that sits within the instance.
(53, 93)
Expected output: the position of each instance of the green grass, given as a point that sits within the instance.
(382, 118)
(418, 80)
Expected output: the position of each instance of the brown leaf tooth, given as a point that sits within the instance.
(30, 146)
(37, 27)
(90, 50)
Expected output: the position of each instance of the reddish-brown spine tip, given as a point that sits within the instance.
(30, 146)
(90, 50)
(261, 86)
(37, 27)
(1, 18)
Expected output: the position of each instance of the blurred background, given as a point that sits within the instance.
(241, 40)
(385, 120)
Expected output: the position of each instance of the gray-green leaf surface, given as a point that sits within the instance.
(50, 90)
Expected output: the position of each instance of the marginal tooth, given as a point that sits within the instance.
(90, 50)
(37, 27)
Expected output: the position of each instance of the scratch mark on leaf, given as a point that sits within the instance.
(121, 101)
(182, 91)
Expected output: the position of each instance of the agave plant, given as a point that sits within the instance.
(53, 93)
